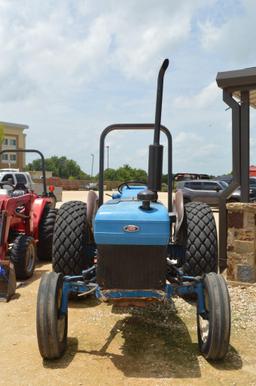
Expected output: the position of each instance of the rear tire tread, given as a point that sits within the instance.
(70, 239)
(201, 244)
(46, 228)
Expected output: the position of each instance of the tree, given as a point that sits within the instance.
(1, 133)
(125, 173)
(60, 167)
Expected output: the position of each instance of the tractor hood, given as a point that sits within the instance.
(124, 222)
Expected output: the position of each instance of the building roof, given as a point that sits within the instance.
(14, 125)
(239, 80)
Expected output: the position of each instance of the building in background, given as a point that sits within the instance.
(13, 137)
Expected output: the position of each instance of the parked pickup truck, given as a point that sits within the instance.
(16, 177)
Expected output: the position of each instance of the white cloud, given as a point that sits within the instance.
(210, 34)
(233, 39)
(70, 67)
(196, 153)
(204, 99)
(69, 43)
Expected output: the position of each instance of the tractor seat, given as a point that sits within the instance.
(92, 205)
(17, 193)
(19, 190)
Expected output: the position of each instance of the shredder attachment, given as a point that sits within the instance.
(7, 280)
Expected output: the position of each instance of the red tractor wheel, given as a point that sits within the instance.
(23, 256)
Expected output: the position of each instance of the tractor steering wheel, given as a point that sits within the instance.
(2, 183)
(127, 184)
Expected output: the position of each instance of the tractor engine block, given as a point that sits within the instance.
(132, 245)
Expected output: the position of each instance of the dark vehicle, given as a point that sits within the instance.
(91, 186)
(208, 191)
(189, 176)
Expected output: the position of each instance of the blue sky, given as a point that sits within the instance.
(69, 68)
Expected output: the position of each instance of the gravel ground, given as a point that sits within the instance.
(115, 346)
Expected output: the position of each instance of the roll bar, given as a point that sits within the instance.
(134, 126)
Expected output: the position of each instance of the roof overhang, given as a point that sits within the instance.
(14, 125)
(237, 81)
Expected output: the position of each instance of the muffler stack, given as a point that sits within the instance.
(7, 280)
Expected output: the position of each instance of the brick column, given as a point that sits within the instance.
(241, 243)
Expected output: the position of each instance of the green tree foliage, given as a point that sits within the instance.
(60, 167)
(125, 173)
(1, 133)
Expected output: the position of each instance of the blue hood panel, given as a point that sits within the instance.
(111, 221)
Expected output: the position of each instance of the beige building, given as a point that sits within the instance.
(14, 138)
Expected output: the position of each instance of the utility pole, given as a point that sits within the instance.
(92, 162)
(107, 147)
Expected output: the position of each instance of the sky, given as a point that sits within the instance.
(69, 68)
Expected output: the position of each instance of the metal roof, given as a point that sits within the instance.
(239, 80)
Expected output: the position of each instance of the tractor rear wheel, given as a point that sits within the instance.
(70, 240)
(23, 256)
(51, 325)
(201, 240)
(45, 235)
(213, 327)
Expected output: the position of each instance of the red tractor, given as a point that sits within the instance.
(26, 228)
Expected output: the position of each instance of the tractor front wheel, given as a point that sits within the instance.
(51, 325)
(213, 327)
(23, 256)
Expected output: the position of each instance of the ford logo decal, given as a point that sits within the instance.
(131, 228)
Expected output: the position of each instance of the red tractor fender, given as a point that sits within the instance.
(37, 212)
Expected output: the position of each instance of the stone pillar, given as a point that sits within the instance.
(241, 243)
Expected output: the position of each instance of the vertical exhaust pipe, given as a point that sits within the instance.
(155, 161)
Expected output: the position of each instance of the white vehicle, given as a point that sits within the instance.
(14, 176)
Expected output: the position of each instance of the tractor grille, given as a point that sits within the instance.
(131, 266)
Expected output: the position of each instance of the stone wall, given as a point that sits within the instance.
(241, 243)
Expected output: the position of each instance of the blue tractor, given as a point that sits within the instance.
(133, 250)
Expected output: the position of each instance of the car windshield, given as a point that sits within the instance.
(224, 184)
(252, 181)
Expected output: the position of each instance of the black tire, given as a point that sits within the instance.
(45, 233)
(201, 254)
(213, 329)
(51, 326)
(23, 256)
(70, 240)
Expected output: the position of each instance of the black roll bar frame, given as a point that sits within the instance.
(134, 126)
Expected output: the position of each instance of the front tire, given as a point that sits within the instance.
(71, 239)
(23, 256)
(213, 328)
(201, 240)
(51, 325)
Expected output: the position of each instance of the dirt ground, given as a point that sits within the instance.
(109, 347)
